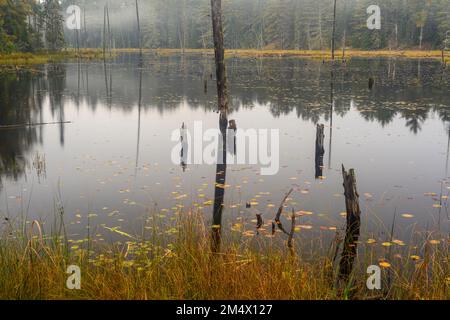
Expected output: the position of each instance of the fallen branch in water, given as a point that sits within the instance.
(277, 220)
(14, 126)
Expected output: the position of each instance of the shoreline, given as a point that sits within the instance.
(25, 59)
(314, 54)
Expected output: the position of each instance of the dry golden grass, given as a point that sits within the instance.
(35, 268)
(20, 59)
(315, 54)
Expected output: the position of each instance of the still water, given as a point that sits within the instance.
(104, 155)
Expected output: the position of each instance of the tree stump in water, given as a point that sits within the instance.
(352, 231)
(320, 150)
(371, 83)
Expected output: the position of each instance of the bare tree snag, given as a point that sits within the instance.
(277, 220)
(334, 32)
(139, 29)
(320, 150)
(219, 190)
(352, 231)
(222, 94)
(219, 53)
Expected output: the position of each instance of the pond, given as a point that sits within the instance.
(99, 149)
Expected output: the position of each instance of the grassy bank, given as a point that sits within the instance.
(24, 59)
(313, 54)
(33, 266)
(27, 59)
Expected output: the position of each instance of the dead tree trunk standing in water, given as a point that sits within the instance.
(219, 52)
(352, 230)
(109, 32)
(222, 96)
(85, 28)
(320, 150)
(104, 33)
(343, 45)
(139, 123)
(334, 31)
(139, 29)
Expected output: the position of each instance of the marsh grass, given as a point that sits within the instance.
(33, 266)
(312, 54)
(26, 59)
(29, 59)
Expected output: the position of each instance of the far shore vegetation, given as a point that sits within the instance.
(24, 59)
(19, 58)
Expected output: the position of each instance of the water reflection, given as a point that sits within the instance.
(164, 90)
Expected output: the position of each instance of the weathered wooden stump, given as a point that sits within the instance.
(320, 150)
(371, 83)
(352, 231)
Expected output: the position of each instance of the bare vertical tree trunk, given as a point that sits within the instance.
(320, 27)
(84, 27)
(184, 24)
(343, 45)
(78, 41)
(219, 52)
(139, 122)
(396, 36)
(352, 228)
(261, 31)
(421, 37)
(109, 31)
(334, 31)
(139, 28)
(104, 33)
(331, 117)
(222, 94)
(320, 150)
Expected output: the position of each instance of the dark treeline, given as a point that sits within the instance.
(30, 25)
(269, 24)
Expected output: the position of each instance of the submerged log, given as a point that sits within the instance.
(352, 231)
(320, 150)
(25, 125)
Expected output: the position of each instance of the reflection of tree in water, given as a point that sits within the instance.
(19, 106)
(22, 98)
(415, 118)
(56, 80)
(283, 86)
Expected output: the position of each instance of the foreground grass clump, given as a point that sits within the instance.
(34, 267)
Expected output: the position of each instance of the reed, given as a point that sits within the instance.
(33, 265)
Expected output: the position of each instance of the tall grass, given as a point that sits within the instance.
(312, 54)
(20, 59)
(33, 266)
